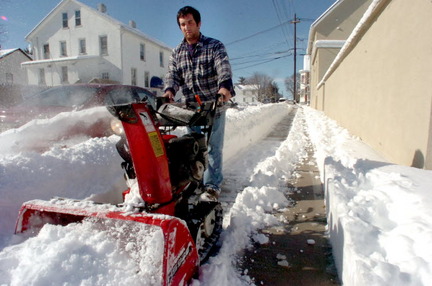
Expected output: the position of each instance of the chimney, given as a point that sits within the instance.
(102, 8)
(132, 24)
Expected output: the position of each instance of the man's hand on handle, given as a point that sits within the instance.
(226, 94)
(169, 94)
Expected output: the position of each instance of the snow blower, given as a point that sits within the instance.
(164, 174)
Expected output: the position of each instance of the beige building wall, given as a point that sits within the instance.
(321, 63)
(337, 23)
(381, 91)
(342, 21)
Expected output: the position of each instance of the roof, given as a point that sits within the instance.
(343, 16)
(316, 22)
(246, 86)
(329, 43)
(4, 53)
(101, 14)
(57, 60)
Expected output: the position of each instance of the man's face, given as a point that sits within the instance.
(189, 28)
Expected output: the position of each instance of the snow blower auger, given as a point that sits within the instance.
(164, 173)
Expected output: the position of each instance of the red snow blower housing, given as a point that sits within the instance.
(164, 173)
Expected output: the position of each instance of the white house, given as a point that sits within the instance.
(11, 72)
(76, 43)
(246, 94)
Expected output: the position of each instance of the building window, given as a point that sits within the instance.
(142, 52)
(46, 51)
(103, 45)
(78, 18)
(82, 46)
(133, 76)
(161, 59)
(63, 52)
(147, 79)
(105, 75)
(9, 78)
(64, 20)
(64, 75)
(42, 76)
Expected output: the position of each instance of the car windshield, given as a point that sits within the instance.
(64, 96)
(121, 95)
(127, 94)
(147, 96)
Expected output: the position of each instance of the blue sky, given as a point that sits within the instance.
(257, 33)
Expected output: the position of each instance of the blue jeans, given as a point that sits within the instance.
(213, 175)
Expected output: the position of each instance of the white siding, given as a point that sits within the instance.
(245, 94)
(123, 48)
(131, 58)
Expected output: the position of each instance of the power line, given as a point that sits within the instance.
(260, 63)
(260, 55)
(280, 21)
(257, 33)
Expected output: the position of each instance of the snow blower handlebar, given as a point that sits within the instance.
(199, 113)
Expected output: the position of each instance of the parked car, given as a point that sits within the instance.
(52, 101)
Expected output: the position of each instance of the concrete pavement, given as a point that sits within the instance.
(298, 252)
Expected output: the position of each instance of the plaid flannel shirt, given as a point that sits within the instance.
(202, 73)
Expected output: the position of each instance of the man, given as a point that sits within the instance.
(200, 66)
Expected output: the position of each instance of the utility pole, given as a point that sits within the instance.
(295, 21)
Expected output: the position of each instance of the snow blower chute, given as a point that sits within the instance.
(165, 173)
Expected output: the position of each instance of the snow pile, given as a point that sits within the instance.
(41, 134)
(79, 254)
(86, 169)
(379, 215)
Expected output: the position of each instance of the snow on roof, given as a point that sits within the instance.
(246, 86)
(57, 60)
(329, 43)
(7, 51)
(4, 53)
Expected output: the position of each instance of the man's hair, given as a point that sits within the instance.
(189, 10)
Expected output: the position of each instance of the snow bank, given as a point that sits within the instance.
(379, 214)
(41, 134)
(248, 126)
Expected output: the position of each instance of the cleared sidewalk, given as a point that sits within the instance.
(298, 252)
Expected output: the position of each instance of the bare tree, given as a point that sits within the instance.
(28, 50)
(242, 80)
(273, 92)
(289, 86)
(268, 90)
